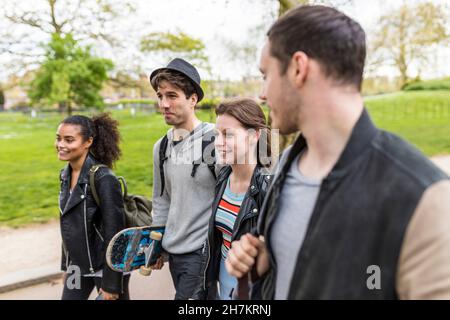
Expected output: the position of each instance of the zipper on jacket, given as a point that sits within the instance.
(59, 203)
(270, 288)
(98, 233)
(66, 253)
(214, 206)
(91, 269)
(207, 262)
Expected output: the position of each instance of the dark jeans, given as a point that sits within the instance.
(87, 284)
(188, 274)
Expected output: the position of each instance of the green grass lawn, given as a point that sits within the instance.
(29, 168)
(421, 117)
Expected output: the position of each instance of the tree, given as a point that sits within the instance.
(69, 75)
(408, 35)
(246, 52)
(285, 5)
(25, 26)
(123, 81)
(179, 44)
(2, 99)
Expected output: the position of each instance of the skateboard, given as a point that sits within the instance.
(135, 248)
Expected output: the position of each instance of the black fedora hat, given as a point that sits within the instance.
(186, 69)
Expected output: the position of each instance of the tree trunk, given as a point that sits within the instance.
(61, 107)
(285, 5)
(2, 100)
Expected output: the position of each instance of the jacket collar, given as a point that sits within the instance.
(84, 174)
(254, 188)
(362, 134)
(78, 193)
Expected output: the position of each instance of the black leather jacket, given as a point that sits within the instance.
(87, 229)
(246, 221)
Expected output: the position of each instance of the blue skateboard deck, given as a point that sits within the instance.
(133, 248)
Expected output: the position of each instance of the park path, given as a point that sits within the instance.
(158, 286)
(443, 162)
(37, 249)
(28, 248)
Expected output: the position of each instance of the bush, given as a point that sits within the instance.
(208, 104)
(134, 103)
(137, 101)
(21, 106)
(437, 84)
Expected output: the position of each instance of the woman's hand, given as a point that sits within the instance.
(109, 296)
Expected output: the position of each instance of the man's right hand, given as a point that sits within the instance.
(245, 253)
(159, 264)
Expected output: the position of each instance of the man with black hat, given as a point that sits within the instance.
(183, 177)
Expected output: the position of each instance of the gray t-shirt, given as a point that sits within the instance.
(297, 201)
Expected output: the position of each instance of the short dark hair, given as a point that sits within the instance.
(177, 79)
(325, 34)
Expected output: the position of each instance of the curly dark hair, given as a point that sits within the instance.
(105, 133)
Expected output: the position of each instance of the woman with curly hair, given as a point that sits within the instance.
(87, 228)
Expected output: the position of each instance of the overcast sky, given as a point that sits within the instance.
(214, 21)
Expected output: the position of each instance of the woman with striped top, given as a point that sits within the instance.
(243, 146)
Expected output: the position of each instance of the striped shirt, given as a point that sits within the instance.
(226, 215)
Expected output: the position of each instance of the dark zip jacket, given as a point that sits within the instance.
(360, 218)
(246, 220)
(87, 229)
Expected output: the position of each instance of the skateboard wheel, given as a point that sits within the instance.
(155, 236)
(145, 271)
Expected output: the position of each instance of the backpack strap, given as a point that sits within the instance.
(207, 140)
(212, 166)
(124, 186)
(92, 172)
(162, 158)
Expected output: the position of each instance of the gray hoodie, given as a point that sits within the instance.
(185, 206)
